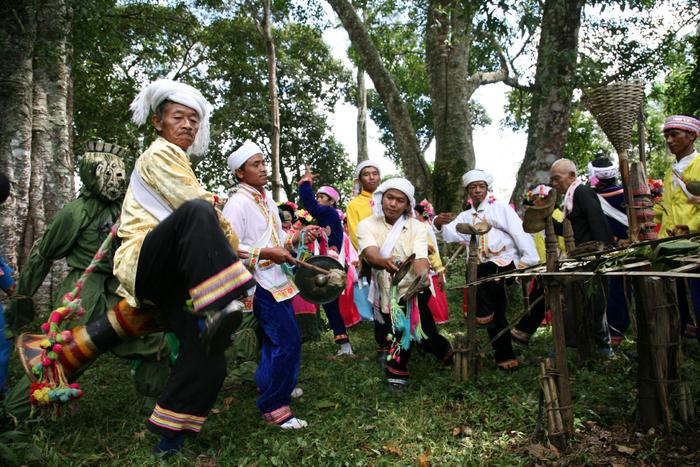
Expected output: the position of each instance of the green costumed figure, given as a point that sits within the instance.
(75, 233)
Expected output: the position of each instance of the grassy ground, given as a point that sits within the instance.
(355, 420)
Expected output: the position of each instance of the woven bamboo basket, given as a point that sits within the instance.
(616, 108)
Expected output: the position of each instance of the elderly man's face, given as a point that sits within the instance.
(679, 142)
(394, 204)
(369, 179)
(477, 192)
(179, 124)
(560, 178)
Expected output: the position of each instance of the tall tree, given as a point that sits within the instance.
(16, 97)
(449, 36)
(35, 151)
(265, 27)
(552, 91)
(407, 145)
(362, 154)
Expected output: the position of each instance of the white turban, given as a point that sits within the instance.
(603, 173)
(365, 164)
(401, 184)
(161, 90)
(477, 175)
(242, 154)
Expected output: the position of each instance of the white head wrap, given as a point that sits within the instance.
(401, 184)
(603, 173)
(242, 154)
(365, 164)
(164, 89)
(477, 175)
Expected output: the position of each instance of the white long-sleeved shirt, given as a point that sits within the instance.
(506, 242)
(255, 219)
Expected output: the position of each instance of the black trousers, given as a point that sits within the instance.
(491, 298)
(594, 293)
(186, 250)
(435, 343)
(530, 322)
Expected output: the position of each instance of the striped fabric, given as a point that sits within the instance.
(176, 421)
(278, 416)
(219, 285)
(340, 337)
(682, 122)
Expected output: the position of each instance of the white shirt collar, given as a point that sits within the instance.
(683, 164)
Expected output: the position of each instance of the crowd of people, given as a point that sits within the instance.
(207, 267)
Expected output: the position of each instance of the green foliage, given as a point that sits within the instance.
(397, 28)
(216, 47)
(682, 91)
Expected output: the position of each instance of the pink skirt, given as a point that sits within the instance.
(346, 303)
(438, 303)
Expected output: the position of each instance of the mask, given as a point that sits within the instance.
(103, 172)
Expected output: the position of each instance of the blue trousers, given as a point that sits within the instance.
(336, 322)
(278, 368)
(684, 306)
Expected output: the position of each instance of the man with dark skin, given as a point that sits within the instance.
(265, 247)
(505, 247)
(387, 238)
(679, 209)
(368, 178)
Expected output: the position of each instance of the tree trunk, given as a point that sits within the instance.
(362, 154)
(52, 71)
(266, 28)
(448, 44)
(449, 36)
(552, 93)
(16, 75)
(408, 148)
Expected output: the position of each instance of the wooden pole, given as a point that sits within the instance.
(642, 139)
(553, 294)
(631, 218)
(658, 347)
(473, 346)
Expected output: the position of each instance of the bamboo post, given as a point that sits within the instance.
(658, 348)
(642, 139)
(625, 173)
(472, 344)
(643, 205)
(553, 295)
(568, 231)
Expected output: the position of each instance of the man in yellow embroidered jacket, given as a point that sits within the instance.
(178, 254)
(679, 210)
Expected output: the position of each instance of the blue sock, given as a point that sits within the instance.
(171, 445)
(201, 323)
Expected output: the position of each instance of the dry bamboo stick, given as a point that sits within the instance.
(457, 366)
(549, 366)
(546, 388)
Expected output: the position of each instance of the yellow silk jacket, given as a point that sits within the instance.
(358, 208)
(166, 168)
(674, 208)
